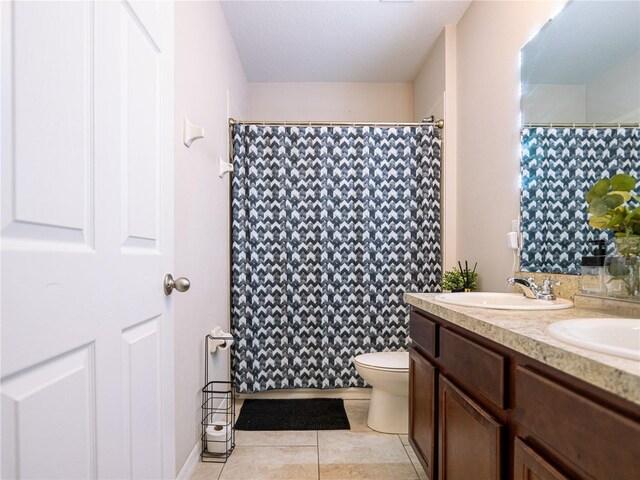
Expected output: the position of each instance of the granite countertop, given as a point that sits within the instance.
(525, 332)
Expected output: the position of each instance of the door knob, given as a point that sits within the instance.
(181, 284)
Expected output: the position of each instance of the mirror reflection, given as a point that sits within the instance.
(580, 108)
(584, 66)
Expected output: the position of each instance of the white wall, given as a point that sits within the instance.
(450, 153)
(434, 93)
(489, 38)
(366, 102)
(429, 84)
(206, 68)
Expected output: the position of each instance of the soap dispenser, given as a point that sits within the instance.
(592, 279)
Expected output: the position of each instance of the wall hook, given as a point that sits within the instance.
(225, 167)
(190, 132)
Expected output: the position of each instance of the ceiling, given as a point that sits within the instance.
(337, 41)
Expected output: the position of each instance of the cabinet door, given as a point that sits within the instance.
(528, 465)
(470, 438)
(422, 410)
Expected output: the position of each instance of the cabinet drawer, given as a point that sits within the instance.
(592, 437)
(424, 333)
(478, 369)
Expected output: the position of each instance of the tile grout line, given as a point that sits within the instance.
(279, 445)
(412, 464)
(318, 451)
(406, 452)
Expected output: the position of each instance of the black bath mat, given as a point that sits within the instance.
(293, 414)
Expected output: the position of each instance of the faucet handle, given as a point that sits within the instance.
(547, 292)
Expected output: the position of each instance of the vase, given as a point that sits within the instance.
(622, 268)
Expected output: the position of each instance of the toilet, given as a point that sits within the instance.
(388, 374)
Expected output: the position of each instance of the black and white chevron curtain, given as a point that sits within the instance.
(558, 166)
(331, 225)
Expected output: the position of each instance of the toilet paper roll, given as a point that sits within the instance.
(218, 437)
(221, 339)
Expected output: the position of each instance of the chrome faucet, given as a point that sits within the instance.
(528, 286)
(532, 290)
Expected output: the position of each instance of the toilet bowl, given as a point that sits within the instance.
(388, 374)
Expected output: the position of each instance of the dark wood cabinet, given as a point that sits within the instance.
(470, 438)
(476, 368)
(592, 437)
(481, 411)
(424, 333)
(529, 465)
(422, 410)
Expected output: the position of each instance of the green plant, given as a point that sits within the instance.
(614, 205)
(460, 280)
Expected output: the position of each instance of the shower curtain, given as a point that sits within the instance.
(330, 225)
(558, 166)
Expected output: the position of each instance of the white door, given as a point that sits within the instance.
(87, 206)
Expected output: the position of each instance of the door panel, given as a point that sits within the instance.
(48, 191)
(141, 173)
(45, 437)
(149, 15)
(142, 351)
(52, 153)
(87, 207)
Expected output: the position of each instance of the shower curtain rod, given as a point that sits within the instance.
(437, 123)
(581, 125)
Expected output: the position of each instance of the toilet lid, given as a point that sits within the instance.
(386, 360)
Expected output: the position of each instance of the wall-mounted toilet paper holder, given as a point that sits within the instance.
(218, 338)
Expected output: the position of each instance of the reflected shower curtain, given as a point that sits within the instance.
(558, 166)
(331, 225)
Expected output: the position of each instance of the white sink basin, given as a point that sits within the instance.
(615, 336)
(501, 301)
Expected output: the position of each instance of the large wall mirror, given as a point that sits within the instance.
(580, 107)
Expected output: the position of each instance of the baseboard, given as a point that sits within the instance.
(190, 465)
(351, 393)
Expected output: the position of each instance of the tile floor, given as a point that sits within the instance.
(359, 453)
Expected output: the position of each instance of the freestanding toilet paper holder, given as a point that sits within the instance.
(218, 410)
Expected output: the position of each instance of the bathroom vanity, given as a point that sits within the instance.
(492, 396)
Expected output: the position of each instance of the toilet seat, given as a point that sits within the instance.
(387, 361)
